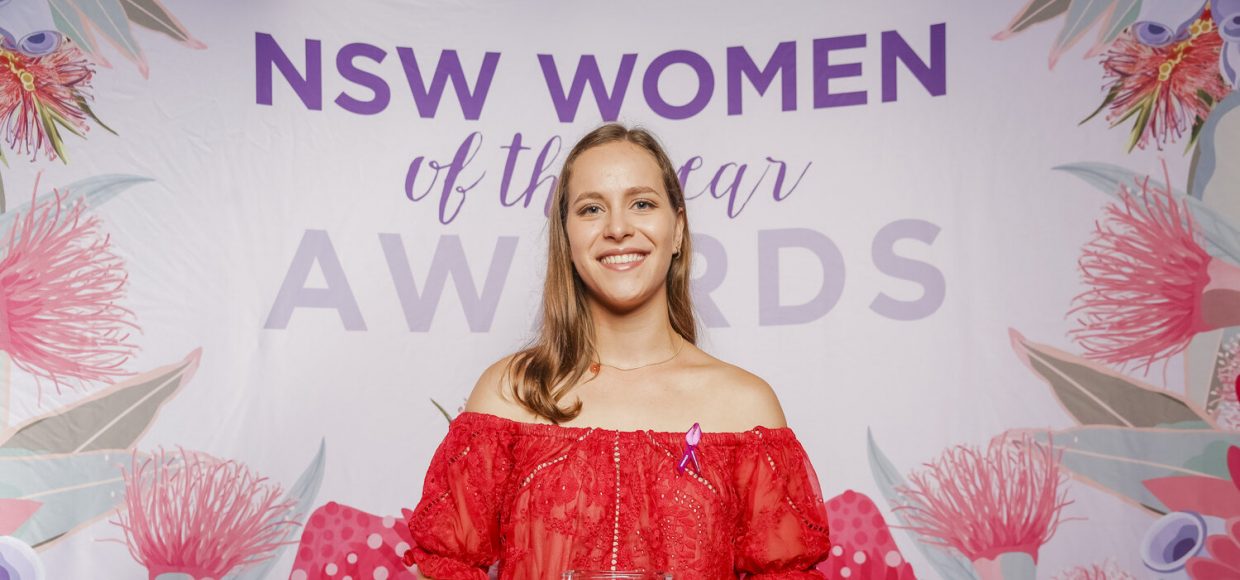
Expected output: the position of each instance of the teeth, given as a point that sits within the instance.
(622, 259)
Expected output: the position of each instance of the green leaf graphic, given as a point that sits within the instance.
(74, 489)
(114, 418)
(1096, 395)
(1034, 12)
(93, 191)
(1118, 459)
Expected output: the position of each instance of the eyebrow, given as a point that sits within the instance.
(630, 192)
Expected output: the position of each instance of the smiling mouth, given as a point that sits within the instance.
(622, 259)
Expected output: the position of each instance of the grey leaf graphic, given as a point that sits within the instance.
(1034, 12)
(114, 418)
(1096, 395)
(152, 15)
(949, 564)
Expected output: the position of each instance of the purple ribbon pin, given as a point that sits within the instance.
(692, 437)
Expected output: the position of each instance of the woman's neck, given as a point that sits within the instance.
(635, 338)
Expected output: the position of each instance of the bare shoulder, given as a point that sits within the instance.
(493, 393)
(743, 399)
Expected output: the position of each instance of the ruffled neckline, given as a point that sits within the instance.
(560, 431)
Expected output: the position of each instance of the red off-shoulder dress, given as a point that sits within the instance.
(543, 499)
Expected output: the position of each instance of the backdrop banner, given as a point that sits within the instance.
(254, 256)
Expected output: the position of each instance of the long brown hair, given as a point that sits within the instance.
(561, 352)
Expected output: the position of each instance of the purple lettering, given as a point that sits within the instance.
(932, 76)
(608, 101)
(824, 71)
(448, 68)
(315, 247)
(308, 87)
(779, 179)
(770, 242)
(931, 279)
(510, 163)
(449, 260)
(348, 69)
(713, 274)
(705, 80)
(782, 62)
(691, 165)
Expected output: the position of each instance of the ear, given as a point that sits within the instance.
(680, 227)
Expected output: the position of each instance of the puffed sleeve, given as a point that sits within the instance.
(456, 526)
(782, 532)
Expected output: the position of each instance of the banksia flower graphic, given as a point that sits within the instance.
(1165, 90)
(1153, 287)
(41, 95)
(1006, 499)
(59, 288)
(199, 515)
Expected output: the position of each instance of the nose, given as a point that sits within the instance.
(618, 226)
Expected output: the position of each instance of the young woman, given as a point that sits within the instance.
(582, 451)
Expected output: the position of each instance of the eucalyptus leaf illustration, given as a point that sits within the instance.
(93, 191)
(73, 490)
(113, 418)
(1096, 395)
(950, 564)
(1215, 174)
(69, 23)
(152, 14)
(1221, 238)
(108, 18)
(1122, 14)
(1118, 460)
(1034, 12)
(1082, 15)
(303, 492)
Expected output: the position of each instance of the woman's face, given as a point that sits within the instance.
(621, 225)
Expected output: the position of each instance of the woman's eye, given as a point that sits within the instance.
(589, 210)
(643, 204)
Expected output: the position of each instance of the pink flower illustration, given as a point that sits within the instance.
(199, 515)
(1006, 499)
(1166, 90)
(340, 541)
(1223, 561)
(59, 288)
(40, 95)
(1153, 287)
(862, 546)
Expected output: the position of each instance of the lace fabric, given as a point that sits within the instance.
(542, 499)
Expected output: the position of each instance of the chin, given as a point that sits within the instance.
(622, 303)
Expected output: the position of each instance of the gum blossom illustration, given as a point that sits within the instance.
(47, 52)
(1168, 62)
(62, 323)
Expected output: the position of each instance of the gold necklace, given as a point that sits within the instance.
(597, 366)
